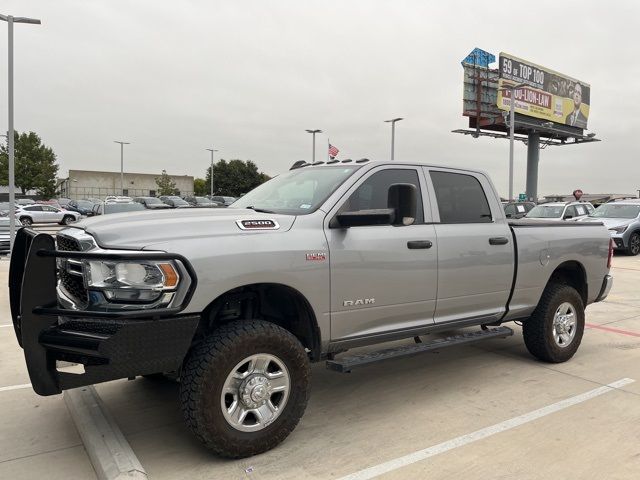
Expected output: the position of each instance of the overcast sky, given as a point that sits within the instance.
(248, 77)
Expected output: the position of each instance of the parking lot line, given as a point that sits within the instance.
(15, 387)
(614, 330)
(386, 467)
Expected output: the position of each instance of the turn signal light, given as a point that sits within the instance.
(170, 275)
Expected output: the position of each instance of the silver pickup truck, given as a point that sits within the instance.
(236, 302)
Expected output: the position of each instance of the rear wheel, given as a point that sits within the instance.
(67, 220)
(244, 389)
(26, 221)
(554, 331)
(634, 244)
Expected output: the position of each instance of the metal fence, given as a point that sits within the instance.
(78, 193)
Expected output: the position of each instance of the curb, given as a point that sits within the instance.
(110, 453)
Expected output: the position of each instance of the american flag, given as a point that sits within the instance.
(333, 151)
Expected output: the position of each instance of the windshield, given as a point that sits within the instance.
(178, 201)
(545, 211)
(297, 192)
(153, 201)
(122, 207)
(202, 200)
(84, 204)
(611, 210)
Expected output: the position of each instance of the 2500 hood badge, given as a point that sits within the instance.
(257, 224)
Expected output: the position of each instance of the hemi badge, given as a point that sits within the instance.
(257, 224)
(316, 257)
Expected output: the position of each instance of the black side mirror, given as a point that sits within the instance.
(403, 199)
(363, 218)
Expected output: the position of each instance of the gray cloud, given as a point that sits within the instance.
(248, 77)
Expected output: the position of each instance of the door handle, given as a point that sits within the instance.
(498, 241)
(416, 244)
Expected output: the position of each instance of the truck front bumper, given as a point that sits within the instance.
(110, 345)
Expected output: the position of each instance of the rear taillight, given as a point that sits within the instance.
(610, 256)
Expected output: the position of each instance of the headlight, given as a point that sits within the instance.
(136, 281)
(618, 229)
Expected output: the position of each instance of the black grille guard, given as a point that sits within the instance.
(111, 344)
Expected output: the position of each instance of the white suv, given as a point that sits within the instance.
(559, 211)
(30, 214)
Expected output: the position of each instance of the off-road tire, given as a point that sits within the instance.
(67, 219)
(26, 221)
(206, 368)
(538, 329)
(634, 244)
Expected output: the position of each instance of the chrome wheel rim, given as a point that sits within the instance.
(565, 324)
(255, 392)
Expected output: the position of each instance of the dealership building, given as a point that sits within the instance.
(95, 184)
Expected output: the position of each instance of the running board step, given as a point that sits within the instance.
(346, 364)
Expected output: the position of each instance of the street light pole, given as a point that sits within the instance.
(313, 153)
(512, 116)
(122, 144)
(10, 134)
(211, 150)
(393, 133)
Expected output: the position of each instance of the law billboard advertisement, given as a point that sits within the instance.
(547, 94)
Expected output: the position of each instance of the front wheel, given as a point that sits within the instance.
(244, 388)
(554, 331)
(634, 244)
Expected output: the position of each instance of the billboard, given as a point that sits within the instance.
(547, 94)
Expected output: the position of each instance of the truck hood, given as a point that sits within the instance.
(137, 230)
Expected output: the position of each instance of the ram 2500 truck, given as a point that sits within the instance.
(236, 302)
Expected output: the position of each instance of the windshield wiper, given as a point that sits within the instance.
(260, 210)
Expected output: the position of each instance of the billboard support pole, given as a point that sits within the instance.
(533, 158)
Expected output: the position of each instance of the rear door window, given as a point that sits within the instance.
(461, 198)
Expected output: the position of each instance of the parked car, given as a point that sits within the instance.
(202, 202)
(30, 214)
(118, 199)
(622, 218)
(83, 207)
(364, 254)
(559, 211)
(517, 209)
(4, 208)
(4, 235)
(62, 201)
(226, 201)
(106, 208)
(174, 201)
(152, 203)
(25, 201)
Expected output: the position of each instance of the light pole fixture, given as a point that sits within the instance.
(512, 114)
(393, 133)
(10, 134)
(313, 153)
(122, 144)
(211, 150)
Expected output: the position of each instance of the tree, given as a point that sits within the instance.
(165, 185)
(200, 187)
(235, 177)
(35, 165)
